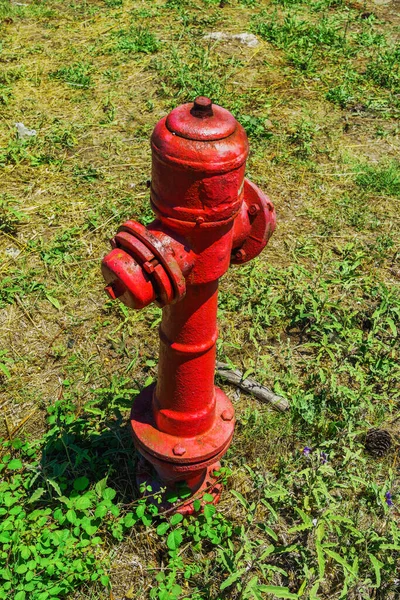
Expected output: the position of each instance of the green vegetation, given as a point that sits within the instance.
(306, 512)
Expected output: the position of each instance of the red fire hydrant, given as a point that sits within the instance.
(208, 216)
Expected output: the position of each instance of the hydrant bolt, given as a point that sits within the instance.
(240, 255)
(208, 216)
(227, 415)
(254, 209)
(178, 450)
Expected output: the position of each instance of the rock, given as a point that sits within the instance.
(13, 252)
(23, 132)
(247, 39)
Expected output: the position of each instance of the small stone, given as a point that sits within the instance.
(23, 132)
(247, 39)
(13, 252)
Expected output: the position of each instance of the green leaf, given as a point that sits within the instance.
(321, 559)
(25, 552)
(101, 511)
(71, 516)
(392, 326)
(36, 495)
(247, 373)
(83, 503)
(162, 528)
(197, 505)
(377, 564)
(209, 511)
(270, 532)
(175, 519)
(306, 524)
(390, 547)
(81, 483)
(53, 301)
(174, 539)
(20, 595)
(5, 370)
(101, 486)
(278, 591)
(231, 579)
(129, 520)
(21, 569)
(109, 494)
(208, 498)
(313, 591)
(146, 520)
(339, 559)
(55, 486)
(14, 464)
(241, 498)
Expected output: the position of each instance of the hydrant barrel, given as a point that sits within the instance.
(208, 217)
(184, 399)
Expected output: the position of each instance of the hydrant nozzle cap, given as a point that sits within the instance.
(201, 121)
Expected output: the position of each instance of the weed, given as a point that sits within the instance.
(77, 75)
(303, 41)
(5, 95)
(202, 73)
(302, 137)
(12, 74)
(5, 363)
(135, 39)
(380, 178)
(255, 126)
(18, 283)
(340, 95)
(10, 216)
(88, 173)
(384, 70)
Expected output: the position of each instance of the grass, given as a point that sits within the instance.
(306, 511)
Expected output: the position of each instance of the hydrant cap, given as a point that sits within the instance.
(201, 121)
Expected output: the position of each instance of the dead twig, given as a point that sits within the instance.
(251, 386)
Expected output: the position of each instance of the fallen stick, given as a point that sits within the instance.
(251, 386)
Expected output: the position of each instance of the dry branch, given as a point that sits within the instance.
(251, 386)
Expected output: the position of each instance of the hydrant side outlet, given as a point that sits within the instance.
(207, 217)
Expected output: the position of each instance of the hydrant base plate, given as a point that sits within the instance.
(146, 476)
(195, 450)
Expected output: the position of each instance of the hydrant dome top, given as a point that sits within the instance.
(201, 121)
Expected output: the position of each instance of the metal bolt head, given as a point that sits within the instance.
(199, 220)
(254, 209)
(113, 242)
(148, 267)
(227, 415)
(179, 450)
(240, 254)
